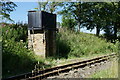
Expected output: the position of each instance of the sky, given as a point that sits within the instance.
(20, 14)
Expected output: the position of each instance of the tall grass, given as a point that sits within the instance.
(78, 44)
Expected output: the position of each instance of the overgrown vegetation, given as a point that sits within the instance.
(17, 59)
(78, 44)
(15, 55)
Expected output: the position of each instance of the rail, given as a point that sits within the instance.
(60, 69)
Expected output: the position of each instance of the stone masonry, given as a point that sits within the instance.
(43, 44)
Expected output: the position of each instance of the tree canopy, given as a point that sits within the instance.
(49, 6)
(95, 15)
(6, 8)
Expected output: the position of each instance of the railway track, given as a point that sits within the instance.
(38, 75)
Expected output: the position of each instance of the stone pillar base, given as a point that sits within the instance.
(42, 43)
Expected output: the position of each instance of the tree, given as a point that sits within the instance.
(116, 21)
(99, 15)
(6, 8)
(68, 22)
(84, 14)
(49, 6)
(73, 9)
(94, 16)
(112, 19)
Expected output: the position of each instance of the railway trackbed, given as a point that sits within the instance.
(42, 74)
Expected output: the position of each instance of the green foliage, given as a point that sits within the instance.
(68, 22)
(7, 7)
(99, 15)
(83, 44)
(15, 32)
(16, 58)
(63, 47)
(49, 6)
(0, 33)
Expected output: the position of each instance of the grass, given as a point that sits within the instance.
(77, 44)
(17, 59)
(111, 72)
(56, 62)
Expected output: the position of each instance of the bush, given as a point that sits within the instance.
(16, 58)
(15, 32)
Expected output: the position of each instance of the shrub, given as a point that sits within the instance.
(16, 58)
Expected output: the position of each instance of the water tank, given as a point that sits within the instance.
(39, 20)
